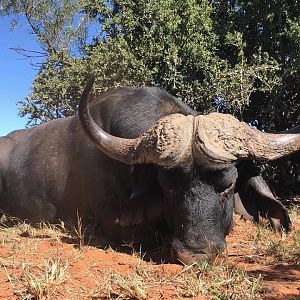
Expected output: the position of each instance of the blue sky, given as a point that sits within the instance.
(16, 74)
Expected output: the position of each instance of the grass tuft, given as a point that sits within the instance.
(278, 249)
(40, 284)
(202, 279)
(219, 282)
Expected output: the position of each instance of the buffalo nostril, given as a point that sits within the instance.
(187, 257)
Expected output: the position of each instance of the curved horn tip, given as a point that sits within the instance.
(89, 84)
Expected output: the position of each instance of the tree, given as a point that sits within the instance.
(61, 30)
(272, 28)
(170, 43)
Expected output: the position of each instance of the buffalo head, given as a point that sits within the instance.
(195, 157)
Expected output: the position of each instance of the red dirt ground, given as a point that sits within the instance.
(281, 281)
(88, 268)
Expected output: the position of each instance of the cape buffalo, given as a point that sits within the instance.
(138, 144)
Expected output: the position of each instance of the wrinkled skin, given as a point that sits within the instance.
(54, 170)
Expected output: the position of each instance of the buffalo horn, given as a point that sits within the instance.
(222, 137)
(166, 143)
(117, 148)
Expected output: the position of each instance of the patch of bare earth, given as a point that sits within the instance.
(47, 263)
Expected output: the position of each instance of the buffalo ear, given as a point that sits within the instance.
(254, 200)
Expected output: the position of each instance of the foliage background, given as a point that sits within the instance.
(238, 57)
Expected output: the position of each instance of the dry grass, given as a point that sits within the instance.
(214, 282)
(39, 282)
(12, 229)
(219, 282)
(116, 285)
(276, 249)
(50, 278)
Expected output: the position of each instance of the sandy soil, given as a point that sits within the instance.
(280, 280)
(92, 273)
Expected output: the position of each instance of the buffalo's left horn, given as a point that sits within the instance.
(222, 137)
(167, 142)
(115, 147)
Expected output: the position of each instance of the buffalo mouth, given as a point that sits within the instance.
(188, 256)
